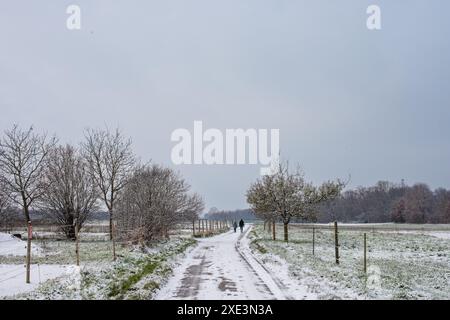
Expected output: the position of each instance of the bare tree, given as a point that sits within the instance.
(23, 154)
(284, 195)
(110, 160)
(4, 197)
(71, 194)
(154, 200)
(418, 203)
(194, 206)
(4, 204)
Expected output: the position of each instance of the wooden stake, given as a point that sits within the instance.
(314, 238)
(114, 240)
(336, 242)
(77, 248)
(28, 259)
(273, 230)
(365, 253)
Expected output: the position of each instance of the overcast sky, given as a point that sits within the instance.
(348, 101)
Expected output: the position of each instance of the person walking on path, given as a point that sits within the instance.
(241, 225)
(234, 226)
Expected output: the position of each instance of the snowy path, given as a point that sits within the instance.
(222, 267)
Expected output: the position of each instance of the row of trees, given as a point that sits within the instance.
(230, 215)
(389, 202)
(70, 183)
(284, 196)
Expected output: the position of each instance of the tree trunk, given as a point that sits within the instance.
(25, 209)
(70, 232)
(110, 224)
(286, 232)
(69, 227)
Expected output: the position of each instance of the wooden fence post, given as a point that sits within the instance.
(114, 240)
(365, 253)
(77, 248)
(336, 241)
(28, 259)
(273, 230)
(314, 238)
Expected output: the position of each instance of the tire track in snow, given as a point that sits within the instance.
(272, 282)
(222, 267)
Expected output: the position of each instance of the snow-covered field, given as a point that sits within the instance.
(12, 277)
(413, 263)
(136, 274)
(401, 265)
(10, 245)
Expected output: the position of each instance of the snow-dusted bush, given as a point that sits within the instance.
(154, 200)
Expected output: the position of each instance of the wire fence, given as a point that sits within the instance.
(72, 246)
(383, 241)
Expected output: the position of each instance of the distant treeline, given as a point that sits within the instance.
(234, 215)
(389, 202)
(13, 217)
(384, 202)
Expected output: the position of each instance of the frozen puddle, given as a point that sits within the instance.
(12, 277)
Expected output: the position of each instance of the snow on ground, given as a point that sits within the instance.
(12, 277)
(10, 245)
(411, 265)
(277, 271)
(136, 274)
(441, 235)
(221, 267)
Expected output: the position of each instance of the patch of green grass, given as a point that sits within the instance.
(151, 285)
(145, 267)
(136, 274)
(120, 288)
(259, 247)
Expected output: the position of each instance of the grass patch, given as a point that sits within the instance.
(119, 289)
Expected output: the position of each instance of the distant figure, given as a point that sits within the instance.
(241, 225)
(234, 226)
